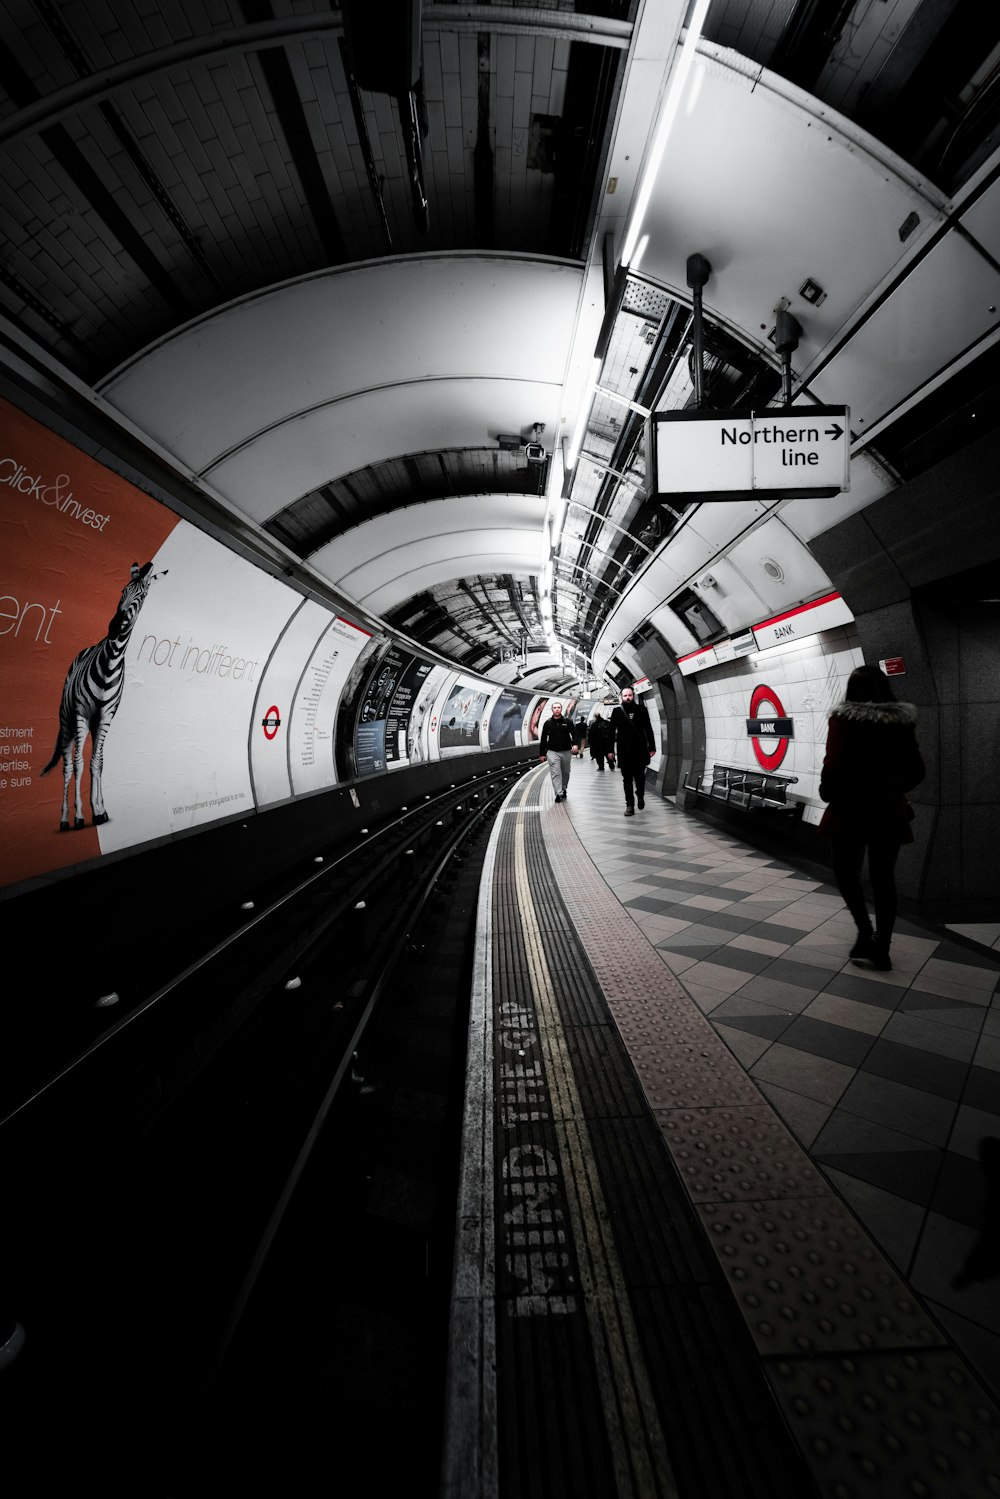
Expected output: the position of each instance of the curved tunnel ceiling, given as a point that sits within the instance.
(220, 196)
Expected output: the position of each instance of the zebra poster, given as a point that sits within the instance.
(71, 532)
(132, 650)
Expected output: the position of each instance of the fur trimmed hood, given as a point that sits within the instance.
(887, 713)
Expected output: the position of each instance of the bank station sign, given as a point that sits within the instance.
(700, 455)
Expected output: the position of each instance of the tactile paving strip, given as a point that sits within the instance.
(900, 1425)
(738, 1155)
(809, 1280)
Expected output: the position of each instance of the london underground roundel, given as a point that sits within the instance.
(768, 758)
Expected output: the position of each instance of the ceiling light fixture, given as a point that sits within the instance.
(675, 91)
(573, 451)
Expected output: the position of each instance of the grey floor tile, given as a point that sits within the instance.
(909, 1111)
(941, 1010)
(942, 1255)
(835, 1042)
(728, 920)
(918, 1069)
(651, 903)
(836, 1010)
(773, 931)
(972, 1127)
(801, 1072)
(791, 997)
(852, 986)
(955, 952)
(745, 1046)
(963, 1192)
(927, 1035)
(746, 1015)
(981, 1089)
(908, 1174)
(726, 980)
(695, 935)
(788, 971)
(987, 1054)
(893, 1223)
(741, 958)
(805, 1117)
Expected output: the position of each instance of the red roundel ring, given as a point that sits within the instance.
(272, 722)
(762, 694)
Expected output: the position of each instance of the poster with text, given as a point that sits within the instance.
(311, 743)
(80, 558)
(373, 710)
(421, 732)
(178, 756)
(461, 717)
(401, 709)
(507, 716)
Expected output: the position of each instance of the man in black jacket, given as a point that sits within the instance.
(635, 746)
(558, 745)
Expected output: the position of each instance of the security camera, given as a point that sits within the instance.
(708, 581)
(534, 452)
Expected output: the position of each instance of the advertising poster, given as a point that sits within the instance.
(177, 756)
(506, 722)
(461, 717)
(373, 710)
(401, 708)
(421, 733)
(535, 721)
(317, 694)
(80, 558)
(269, 745)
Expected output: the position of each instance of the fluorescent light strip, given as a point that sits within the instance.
(612, 395)
(581, 421)
(675, 90)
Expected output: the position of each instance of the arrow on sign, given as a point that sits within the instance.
(834, 431)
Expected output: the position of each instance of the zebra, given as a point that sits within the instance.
(90, 698)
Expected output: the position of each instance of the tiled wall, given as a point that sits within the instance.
(808, 679)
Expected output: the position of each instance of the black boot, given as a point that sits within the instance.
(864, 948)
(880, 953)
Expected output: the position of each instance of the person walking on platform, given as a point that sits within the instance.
(600, 739)
(633, 734)
(872, 759)
(558, 745)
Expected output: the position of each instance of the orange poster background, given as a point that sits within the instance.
(60, 582)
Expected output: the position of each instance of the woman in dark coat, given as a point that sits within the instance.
(872, 759)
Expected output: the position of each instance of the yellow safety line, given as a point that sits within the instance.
(635, 1435)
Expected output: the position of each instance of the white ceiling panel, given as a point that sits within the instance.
(674, 631)
(387, 560)
(315, 340)
(315, 447)
(731, 596)
(982, 221)
(749, 151)
(425, 567)
(948, 302)
(767, 551)
(717, 522)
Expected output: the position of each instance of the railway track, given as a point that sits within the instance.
(161, 1174)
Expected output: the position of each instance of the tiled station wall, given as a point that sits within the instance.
(808, 680)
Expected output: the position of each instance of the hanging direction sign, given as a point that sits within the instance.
(701, 455)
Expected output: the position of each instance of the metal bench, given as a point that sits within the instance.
(748, 790)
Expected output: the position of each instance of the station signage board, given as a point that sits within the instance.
(703, 456)
(696, 661)
(805, 619)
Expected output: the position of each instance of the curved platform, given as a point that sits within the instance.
(724, 1227)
